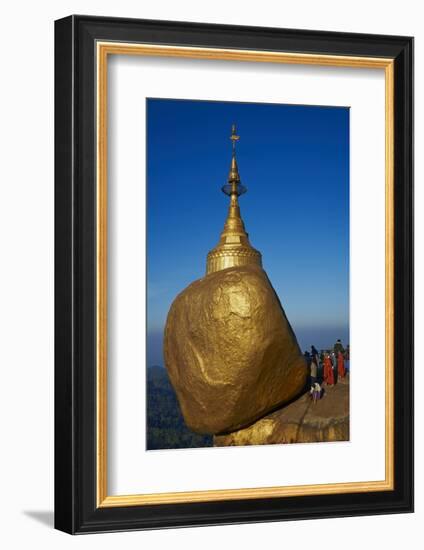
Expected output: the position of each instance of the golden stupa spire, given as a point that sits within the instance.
(234, 248)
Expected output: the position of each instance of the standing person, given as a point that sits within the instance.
(330, 377)
(327, 367)
(314, 370)
(315, 353)
(334, 365)
(347, 359)
(321, 364)
(338, 346)
(340, 365)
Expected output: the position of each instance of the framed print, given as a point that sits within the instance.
(234, 274)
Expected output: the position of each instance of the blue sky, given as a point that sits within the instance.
(294, 160)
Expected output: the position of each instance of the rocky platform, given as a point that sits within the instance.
(302, 421)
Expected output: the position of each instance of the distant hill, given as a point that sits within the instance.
(165, 424)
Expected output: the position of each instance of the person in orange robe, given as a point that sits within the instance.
(340, 365)
(328, 371)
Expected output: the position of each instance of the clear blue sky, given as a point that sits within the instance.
(294, 160)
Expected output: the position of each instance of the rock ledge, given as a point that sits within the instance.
(302, 421)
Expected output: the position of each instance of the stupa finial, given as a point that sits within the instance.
(234, 138)
(234, 248)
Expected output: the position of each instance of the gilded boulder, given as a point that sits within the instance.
(231, 354)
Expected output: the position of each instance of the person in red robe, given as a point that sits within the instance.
(328, 371)
(325, 368)
(340, 365)
(330, 379)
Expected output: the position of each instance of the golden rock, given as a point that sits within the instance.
(302, 421)
(231, 354)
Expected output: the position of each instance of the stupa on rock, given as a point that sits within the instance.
(234, 248)
(231, 354)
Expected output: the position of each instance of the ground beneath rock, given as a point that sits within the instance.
(302, 421)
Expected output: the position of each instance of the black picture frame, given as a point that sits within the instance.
(76, 510)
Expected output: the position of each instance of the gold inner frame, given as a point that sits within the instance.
(104, 49)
